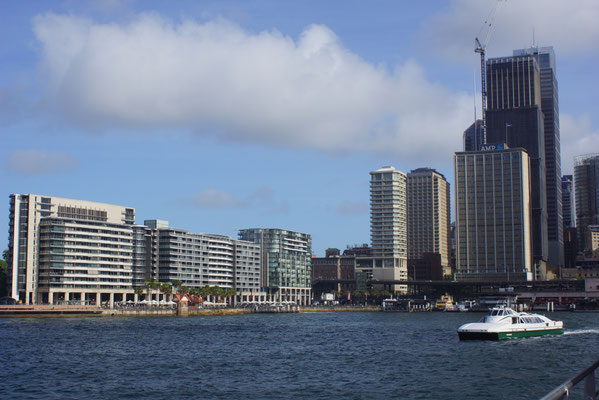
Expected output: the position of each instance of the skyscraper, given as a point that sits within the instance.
(522, 111)
(428, 215)
(473, 137)
(569, 221)
(586, 181)
(569, 218)
(493, 223)
(388, 224)
(545, 57)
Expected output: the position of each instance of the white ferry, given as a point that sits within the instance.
(505, 323)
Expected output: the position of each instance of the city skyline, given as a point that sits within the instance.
(287, 144)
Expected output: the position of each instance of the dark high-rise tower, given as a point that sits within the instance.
(514, 117)
(523, 111)
(550, 107)
(586, 182)
(474, 136)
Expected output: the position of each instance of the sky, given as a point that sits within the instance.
(224, 115)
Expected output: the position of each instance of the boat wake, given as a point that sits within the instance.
(581, 331)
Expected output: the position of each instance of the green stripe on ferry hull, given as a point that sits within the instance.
(510, 335)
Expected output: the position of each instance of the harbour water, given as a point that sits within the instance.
(326, 355)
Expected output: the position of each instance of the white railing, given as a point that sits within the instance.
(590, 390)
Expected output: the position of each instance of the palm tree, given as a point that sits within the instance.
(229, 292)
(183, 289)
(148, 286)
(152, 285)
(166, 288)
(205, 292)
(194, 292)
(218, 292)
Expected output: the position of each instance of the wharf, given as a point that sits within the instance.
(24, 310)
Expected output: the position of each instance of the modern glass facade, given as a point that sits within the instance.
(545, 58)
(514, 117)
(523, 111)
(286, 262)
(474, 136)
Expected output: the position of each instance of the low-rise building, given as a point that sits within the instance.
(334, 272)
(426, 268)
(66, 250)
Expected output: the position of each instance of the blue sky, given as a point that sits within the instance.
(224, 115)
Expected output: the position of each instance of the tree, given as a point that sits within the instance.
(166, 288)
(182, 289)
(176, 283)
(205, 292)
(218, 292)
(228, 293)
(152, 285)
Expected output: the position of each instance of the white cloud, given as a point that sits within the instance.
(577, 138)
(263, 198)
(37, 162)
(352, 208)
(268, 88)
(214, 198)
(570, 26)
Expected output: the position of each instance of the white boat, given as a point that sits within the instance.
(505, 323)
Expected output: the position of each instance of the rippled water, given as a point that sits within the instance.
(345, 355)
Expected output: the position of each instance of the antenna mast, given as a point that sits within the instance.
(481, 48)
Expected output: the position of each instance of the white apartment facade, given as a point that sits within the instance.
(26, 211)
(388, 225)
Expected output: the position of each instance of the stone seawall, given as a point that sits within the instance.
(340, 308)
(173, 312)
(24, 310)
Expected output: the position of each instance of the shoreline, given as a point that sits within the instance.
(49, 311)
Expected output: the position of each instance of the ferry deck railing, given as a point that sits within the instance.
(590, 389)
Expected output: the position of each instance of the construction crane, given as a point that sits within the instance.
(481, 48)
